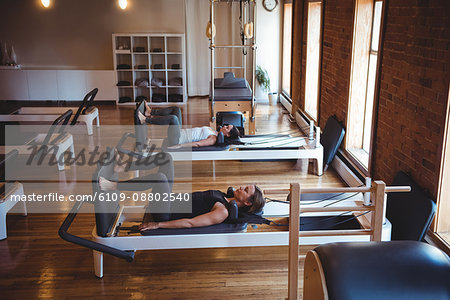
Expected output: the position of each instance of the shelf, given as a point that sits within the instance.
(16, 67)
(173, 50)
(166, 86)
(123, 51)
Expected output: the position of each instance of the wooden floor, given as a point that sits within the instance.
(36, 263)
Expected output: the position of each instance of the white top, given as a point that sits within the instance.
(195, 134)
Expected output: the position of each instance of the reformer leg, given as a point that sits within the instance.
(24, 209)
(97, 119)
(72, 150)
(3, 212)
(60, 159)
(319, 167)
(319, 160)
(98, 263)
(89, 126)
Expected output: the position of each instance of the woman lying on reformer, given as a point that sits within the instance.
(189, 137)
(208, 207)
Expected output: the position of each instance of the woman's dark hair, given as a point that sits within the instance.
(257, 200)
(234, 134)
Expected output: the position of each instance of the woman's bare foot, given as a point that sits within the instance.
(148, 110)
(106, 185)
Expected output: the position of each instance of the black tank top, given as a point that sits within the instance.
(202, 203)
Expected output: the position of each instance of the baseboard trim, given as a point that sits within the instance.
(345, 172)
(286, 103)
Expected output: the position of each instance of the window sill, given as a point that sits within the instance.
(361, 156)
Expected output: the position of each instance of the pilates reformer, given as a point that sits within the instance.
(229, 93)
(109, 238)
(85, 113)
(56, 141)
(7, 192)
(258, 147)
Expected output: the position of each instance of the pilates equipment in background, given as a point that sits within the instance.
(85, 113)
(372, 228)
(233, 98)
(410, 213)
(55, 139)
(8, 190)
(376, 270)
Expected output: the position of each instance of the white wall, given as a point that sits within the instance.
(268, 38)
(76, 34)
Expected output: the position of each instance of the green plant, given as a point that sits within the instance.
(263, 78)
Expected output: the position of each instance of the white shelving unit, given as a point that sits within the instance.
(156, 59)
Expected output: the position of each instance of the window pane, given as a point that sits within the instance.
(312, 59)
(287, 40)
(369, 102)
(376, 25)
(362, 84)
(442, 219)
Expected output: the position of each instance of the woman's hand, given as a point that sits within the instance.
(148, 226)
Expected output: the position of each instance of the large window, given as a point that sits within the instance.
(366, 37)
(287, 48)
(313, 58)
(442, 225)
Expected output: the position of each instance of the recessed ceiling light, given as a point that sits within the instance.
(45, 3)
(123, 4)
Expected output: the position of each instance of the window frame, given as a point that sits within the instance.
(443, 191)
(287, 94)
(319, 63)
(368, 171)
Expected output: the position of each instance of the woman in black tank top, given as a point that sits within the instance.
(208, 208)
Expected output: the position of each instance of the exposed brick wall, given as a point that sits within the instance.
(413, 88)
(336, 59)
(413, 91)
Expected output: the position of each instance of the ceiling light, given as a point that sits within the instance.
(45, 3)
(123, 4)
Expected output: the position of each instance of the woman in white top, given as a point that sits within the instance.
(189, 137)
(198, 136)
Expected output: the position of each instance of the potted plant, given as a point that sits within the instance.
(264, 81)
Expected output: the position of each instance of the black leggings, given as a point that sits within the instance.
(165, 116)
(160, 183)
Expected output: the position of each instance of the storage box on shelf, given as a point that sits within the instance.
(151, 66)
